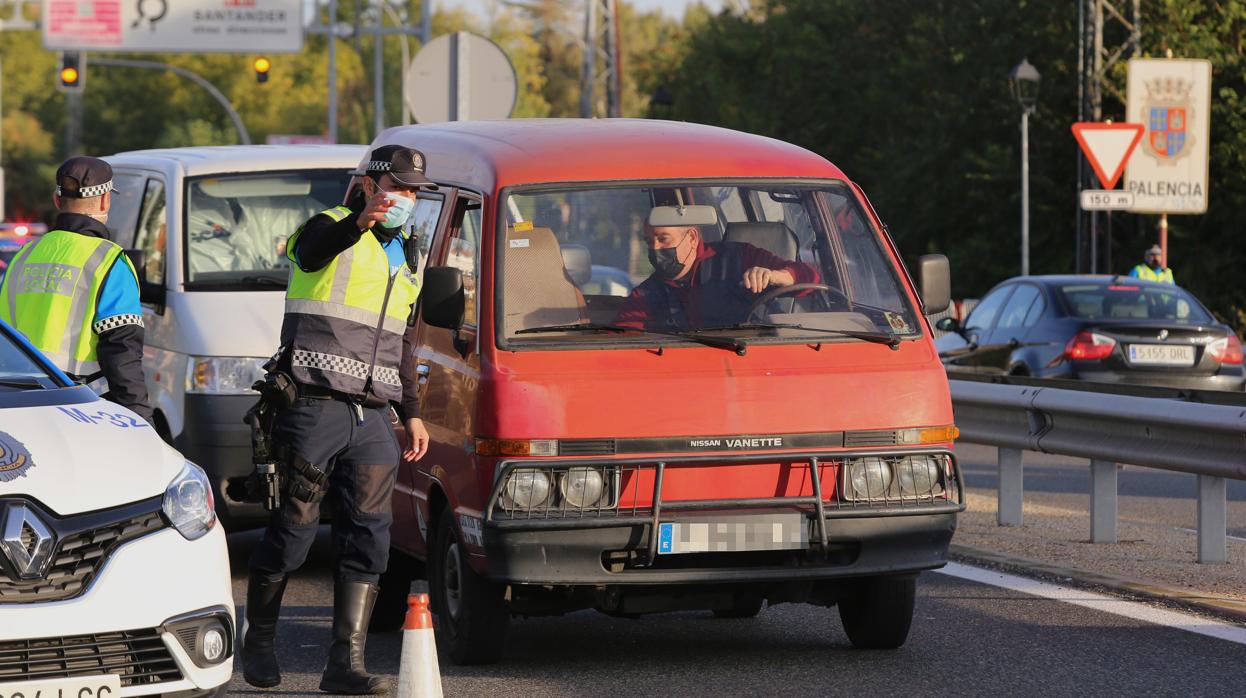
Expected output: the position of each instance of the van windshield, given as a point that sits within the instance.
(761, 262)
(236, 226)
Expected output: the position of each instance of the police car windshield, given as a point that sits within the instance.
(18, 370)
(767, 262)
(236, 226)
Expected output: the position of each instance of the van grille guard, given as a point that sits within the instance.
(626, 480)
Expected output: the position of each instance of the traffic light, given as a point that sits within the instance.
(72, 74)
(261, 66)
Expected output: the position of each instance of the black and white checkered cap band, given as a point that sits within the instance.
(88, 192)
(379, 166)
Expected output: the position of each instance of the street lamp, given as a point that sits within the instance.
(1023, 81)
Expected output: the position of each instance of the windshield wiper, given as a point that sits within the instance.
(21, 383)
(736, 345)
(890, 340)
(252, 279)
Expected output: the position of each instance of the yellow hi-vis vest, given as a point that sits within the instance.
(344, 324)
(50, 294)
(1146, 273)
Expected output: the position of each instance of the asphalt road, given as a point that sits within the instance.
(1161, 497)
(968, 639)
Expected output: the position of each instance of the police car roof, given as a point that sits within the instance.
(245, 158)
(489, 155)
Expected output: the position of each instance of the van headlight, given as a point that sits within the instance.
(188, 503)
(919, 476)
(527, 488)
(869, 478)
(223, 375)
(582, 488)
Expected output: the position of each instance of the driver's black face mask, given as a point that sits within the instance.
(665, 261)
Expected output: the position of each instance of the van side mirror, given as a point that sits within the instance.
(442, 302)
(934, 278)
(147, 291)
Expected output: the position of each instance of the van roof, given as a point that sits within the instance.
(245, 158)
(488, 155)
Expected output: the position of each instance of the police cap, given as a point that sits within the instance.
(404, 165)
(83, 177)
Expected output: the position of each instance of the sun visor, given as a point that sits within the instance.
(677, 216)
(240, 187)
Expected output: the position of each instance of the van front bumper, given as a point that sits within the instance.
(855, 547)
(215, 437)
(620, 545)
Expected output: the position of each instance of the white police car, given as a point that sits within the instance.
(114, 577)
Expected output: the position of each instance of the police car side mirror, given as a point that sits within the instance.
(442, 303)
(934, 278)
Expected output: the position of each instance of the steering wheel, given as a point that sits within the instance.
(788, 290)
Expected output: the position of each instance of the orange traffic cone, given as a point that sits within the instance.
(418, 675)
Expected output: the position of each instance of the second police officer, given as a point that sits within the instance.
(343, 340)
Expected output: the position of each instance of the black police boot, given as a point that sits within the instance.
(345, 673)
(259, 641)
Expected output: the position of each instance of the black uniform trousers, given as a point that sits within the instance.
(360, 458)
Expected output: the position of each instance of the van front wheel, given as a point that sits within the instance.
(472, 613)
(878, 612)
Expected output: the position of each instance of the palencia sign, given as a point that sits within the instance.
(174, 26)
(1172, 99)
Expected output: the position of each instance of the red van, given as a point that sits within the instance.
(763, 419)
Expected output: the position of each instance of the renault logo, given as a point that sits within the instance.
(27, 542)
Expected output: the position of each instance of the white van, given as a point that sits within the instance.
(207, 228)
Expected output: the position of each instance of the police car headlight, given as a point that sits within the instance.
(223, 375)
(188, 503)
(527, 488)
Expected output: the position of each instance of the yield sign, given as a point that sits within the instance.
(1107, 147)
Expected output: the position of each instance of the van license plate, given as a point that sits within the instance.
(1161, 355)
(102, 686)
(730, 535)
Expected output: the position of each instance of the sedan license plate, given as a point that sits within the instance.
(102, 686)
(734, 534)
(1161, 355)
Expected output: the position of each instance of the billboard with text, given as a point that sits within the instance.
(174, 26)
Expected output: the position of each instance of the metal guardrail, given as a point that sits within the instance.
(1168, 433)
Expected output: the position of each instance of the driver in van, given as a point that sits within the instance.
(703, 284)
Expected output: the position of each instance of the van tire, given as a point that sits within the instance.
(390, 609)
(742, 606)
(878, 612)
(472, 613)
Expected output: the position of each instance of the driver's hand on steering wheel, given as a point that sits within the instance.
(758, 279)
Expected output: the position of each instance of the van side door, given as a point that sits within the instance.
(448, 367)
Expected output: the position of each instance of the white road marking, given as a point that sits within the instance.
(1195, 531)
(1099, 602)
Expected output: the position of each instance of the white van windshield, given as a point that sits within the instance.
(754, 263)
(236, 226)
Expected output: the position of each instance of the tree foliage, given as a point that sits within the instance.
(910, 99)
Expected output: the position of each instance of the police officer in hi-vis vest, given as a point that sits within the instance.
(344, 342)
(74, 293)
(1153, 269)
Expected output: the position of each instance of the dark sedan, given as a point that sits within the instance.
(1097, 328)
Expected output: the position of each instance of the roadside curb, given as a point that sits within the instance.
(1184, 597)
